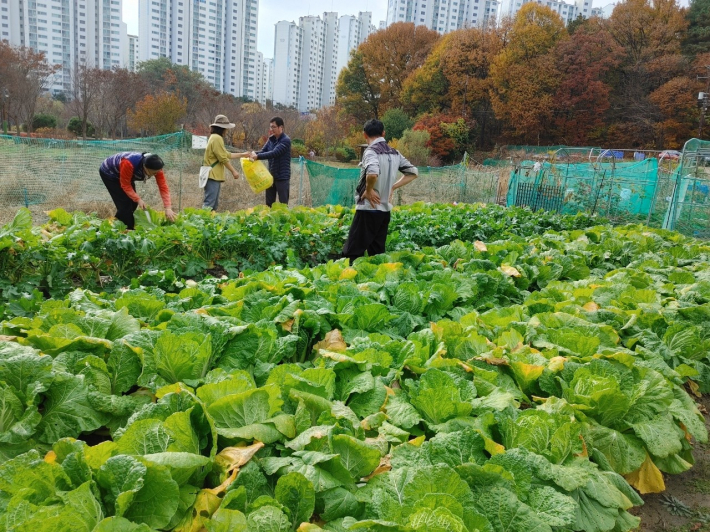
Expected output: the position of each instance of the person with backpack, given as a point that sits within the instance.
(120, 172)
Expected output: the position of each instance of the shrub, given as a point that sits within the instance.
(298, 150)
(43, 120)
(345, 154)
(75, 127)
(396, 123)
(413, 146)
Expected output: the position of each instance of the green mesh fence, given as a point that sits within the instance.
(512, 150)
(621, 191)
(684, 195)
(658, 190)
(331, 185)
(447, 184)
(45, 174)
(63, 173)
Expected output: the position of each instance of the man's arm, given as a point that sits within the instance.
(409, 173)
(279, 150)
(370, 193)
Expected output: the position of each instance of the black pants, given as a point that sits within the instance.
(125, 206)
(282, 186)
(368, 232)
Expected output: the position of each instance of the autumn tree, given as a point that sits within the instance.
(448, 135)
(455, 78)
(163, 75)
(396, 121)
(581, 102)
(328, 130)
(697, 38)
(650, 34)
(426, 89)
(676, 101)
(159, 114)
(86, 87)
(357, 91)
(253, 124)
(120, 90)
(373, 79)
(24, 76)
(525, 76)
(414, 145)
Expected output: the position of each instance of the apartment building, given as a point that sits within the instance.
(264, 79)
(69, 32)
(568, 12)
(443, 16)
(309, 56)
(216, 38)
(287, 63)
(133, 53)
(312, 56)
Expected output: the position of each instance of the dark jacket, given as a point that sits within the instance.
(278, 152)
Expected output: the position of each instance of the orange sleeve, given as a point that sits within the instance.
(163, 188)
(126, 176)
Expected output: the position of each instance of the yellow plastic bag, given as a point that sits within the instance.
(257, 175)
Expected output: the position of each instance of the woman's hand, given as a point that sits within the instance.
(235, 174)
(141, 204)
(170, 215)
(253, 156)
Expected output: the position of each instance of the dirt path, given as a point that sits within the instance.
(685, 505)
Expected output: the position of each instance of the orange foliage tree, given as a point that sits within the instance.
(524, 74)
(650, 33)
(455, 78)
(676, 101)
(372, 82)
(158, 114)
(582, 99)
(448, 135)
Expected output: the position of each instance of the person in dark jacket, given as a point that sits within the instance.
(277, 151)
(120, 173)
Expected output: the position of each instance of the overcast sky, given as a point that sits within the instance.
(272, 11)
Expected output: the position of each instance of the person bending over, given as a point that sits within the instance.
(120, 173)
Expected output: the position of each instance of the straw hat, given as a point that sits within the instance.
(223, 122)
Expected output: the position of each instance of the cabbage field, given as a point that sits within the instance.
(496, 371)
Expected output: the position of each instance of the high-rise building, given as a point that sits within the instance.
(308, 57)
(313, 49)
(287, 63)
(330, 58)
(69, 32)
(133, 53)
(264, 79)
(216, 38)
(443, 16)
(568, 12)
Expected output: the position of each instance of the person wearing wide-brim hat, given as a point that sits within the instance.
(217, 156)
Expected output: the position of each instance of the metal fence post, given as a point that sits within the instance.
(300, 180)
(181, 147)
(462, 182)
(655, 196)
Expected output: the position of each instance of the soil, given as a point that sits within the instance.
(685, 505)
